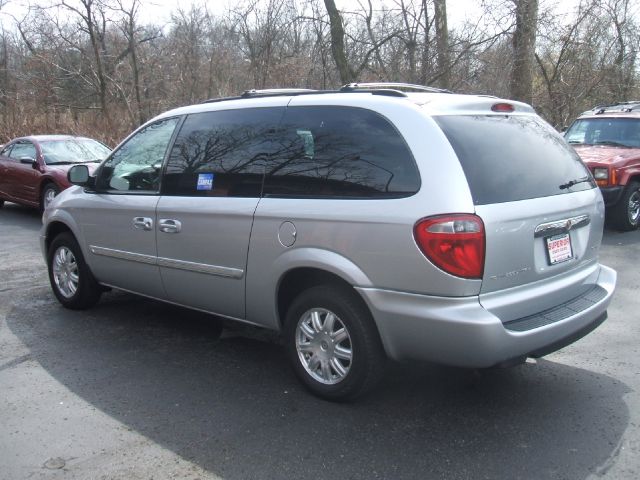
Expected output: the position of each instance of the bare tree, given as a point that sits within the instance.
(524, 41)
(347, 75)
(442, 43)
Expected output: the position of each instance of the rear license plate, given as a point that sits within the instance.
(559, 248)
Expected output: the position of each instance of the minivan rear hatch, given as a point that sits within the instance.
(542, 212)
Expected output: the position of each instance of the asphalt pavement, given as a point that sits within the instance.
(136, 389)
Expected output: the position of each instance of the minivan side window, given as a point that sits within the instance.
(223, 153)
(332, 151)
(137, 164)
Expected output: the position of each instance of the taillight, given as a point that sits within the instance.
(454, 243)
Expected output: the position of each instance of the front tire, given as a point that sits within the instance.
(626, 214)
(332, 343)
(49, 192)
(72, 282)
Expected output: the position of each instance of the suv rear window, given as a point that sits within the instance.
(510, 158)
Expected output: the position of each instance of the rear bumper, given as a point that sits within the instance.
(461, 332)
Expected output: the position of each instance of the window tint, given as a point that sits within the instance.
(509, 158)
(623, 132)
(23, 150)
(223, 153)
(136, 165)
(340, 152)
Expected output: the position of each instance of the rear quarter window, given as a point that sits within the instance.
(340, 152)
(513, 157)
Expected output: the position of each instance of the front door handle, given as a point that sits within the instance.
(169, 225)
(143, 223)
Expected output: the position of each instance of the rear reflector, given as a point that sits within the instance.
(502, 107)
(455, 243)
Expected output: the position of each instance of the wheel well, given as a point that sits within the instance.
(299, 279)
(44, 185)
(55, 229)
(634, 178)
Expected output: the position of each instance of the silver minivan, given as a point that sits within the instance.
(376, 221)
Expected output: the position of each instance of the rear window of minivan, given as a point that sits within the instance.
(513, 157)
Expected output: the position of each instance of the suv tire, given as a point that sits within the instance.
(333, 344)
(626, 214)
(71, 280)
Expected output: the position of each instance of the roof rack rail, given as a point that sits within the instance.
(617, 106)
(381, 88)
(274, 92)
(268, 92)
(391, 86)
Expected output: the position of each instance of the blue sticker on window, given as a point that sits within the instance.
(205, 181)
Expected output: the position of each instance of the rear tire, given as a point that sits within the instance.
(625, 215)
(72, 282)
(333, 344)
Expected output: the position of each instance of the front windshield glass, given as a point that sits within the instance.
(76, 150)
(617, 132)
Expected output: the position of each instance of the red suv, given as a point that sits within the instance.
(607, 138)
(33, 170)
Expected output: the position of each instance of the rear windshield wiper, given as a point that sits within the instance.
(571, 183)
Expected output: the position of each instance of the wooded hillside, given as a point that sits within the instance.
(102, 67)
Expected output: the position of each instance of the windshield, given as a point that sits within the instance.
(76, 150)
(617, 132)
(509, 158)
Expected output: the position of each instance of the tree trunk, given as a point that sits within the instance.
(524, 41)
(337, 43)
(442, 43)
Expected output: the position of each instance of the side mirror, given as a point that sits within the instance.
(79, 175)
(29, 161)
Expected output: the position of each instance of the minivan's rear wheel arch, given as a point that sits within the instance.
(626, 214)
(332, 343)
(72, 282)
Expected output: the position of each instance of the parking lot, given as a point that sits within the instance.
(136, 389)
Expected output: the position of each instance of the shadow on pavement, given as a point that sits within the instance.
(232, 406)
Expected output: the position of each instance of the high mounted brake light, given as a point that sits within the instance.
(502, 107)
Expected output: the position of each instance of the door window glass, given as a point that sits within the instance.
(223, 153)
(331, 151)
(23, 150)
(6, 151)
(136, 165)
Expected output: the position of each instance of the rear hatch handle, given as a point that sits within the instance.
(561, 226)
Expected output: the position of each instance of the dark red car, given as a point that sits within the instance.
(33, 170)
(607, 138)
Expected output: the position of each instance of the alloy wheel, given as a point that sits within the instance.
(324, 346)
(65, 272)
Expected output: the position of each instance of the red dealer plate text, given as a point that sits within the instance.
(559, 248)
